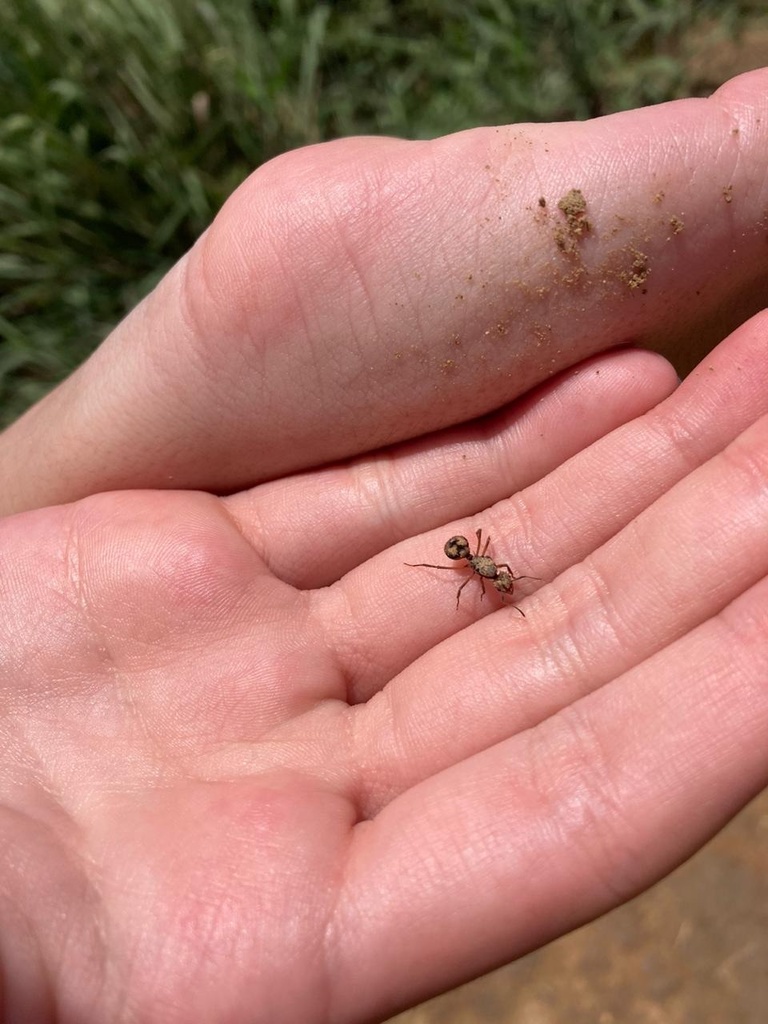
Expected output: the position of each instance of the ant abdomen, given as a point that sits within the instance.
(457, 547)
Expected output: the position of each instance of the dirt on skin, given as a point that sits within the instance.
(573, 206)
(639, 270)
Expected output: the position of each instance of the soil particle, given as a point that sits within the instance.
(639, 270)
(573, 206)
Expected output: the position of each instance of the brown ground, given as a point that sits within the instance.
(693, 950)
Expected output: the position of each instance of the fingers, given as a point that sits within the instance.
(557, 825)
(355, 294)
(541, 532)
(313, 527)
(677, 565)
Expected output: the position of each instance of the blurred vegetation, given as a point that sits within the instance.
(124, 124)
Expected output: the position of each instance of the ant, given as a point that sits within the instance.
(481, 564)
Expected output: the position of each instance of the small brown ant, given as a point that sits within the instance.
(481, 565)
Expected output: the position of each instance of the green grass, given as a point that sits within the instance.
(124, 124)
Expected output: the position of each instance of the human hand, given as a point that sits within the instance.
(355, 294)
(236, 787)
(233, 791)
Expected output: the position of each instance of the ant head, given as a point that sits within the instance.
(457, 547)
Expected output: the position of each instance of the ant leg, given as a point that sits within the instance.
(428, 565)
(504, 565)
(514, 605)
(482, 586)
(458, 592)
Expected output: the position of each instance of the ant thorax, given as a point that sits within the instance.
(484, 566)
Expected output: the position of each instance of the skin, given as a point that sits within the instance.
(252, 767)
